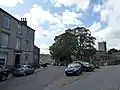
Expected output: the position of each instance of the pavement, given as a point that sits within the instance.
(53, 78)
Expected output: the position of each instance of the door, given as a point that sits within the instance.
(29, 69)
(17, 60)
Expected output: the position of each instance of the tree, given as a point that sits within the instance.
(113, 50)
(86, 42)
(65, 45)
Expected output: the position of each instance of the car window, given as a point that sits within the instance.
(23, 66)
(73, 65)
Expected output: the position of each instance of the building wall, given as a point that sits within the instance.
(36, 56)
(13, 34)
(102, 58)
(102, 46)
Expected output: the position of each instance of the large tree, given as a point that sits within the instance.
(78, 42)
(65, 45)
(86, 42)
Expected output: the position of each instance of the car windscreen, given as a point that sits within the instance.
(23, 66)
(73, 65)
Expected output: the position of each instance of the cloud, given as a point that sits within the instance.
(10, 3)
(95, 26)
(80, 4)
(111, 16)
(37, 16)
(97, 8)
(44, 49)
(70, 18)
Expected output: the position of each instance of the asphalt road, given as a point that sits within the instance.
(53, 78)
(37, 81)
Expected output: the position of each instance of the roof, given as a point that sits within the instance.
(14, 18)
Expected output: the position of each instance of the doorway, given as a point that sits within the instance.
(17, 60)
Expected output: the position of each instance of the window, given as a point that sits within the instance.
(4, 40)
(28, 34)
(19, 29)
(2, 61)
(6, 23)
(18, 43)
(27, 45)
(26, 57)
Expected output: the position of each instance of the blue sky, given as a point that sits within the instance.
(51, 17)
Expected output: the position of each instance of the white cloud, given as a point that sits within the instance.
(44, 49)
(37, 16)
(70, 18)
(80, 4)
(95, 26)
(10, 3)
(111, 16)
(97, 8)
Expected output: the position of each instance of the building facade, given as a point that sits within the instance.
(16, 40)
(103, 58)
(36, 56)
(102, 46)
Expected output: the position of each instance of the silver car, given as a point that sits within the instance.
(23, 70)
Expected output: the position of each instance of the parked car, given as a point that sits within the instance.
(73, 69)
(85, 65)
(23, 70)
(62, 64)
(97, 66)
(4, 73)
(43, 64)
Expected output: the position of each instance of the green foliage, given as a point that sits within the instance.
(78, 42)
(86, 42)
(113, 50)
(65, 45)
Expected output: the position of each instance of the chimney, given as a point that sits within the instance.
(24, 21)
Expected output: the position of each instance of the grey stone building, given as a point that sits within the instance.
(36, 56)
(16, 41)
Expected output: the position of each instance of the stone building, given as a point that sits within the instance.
(16, 40)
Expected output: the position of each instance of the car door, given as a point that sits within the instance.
(29, 69)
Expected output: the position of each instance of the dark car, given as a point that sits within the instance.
(85, 65)
(23, 70)
(3, 73)
(97, 66)
(73, 69)
(43, 64)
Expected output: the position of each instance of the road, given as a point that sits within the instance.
(53, 78)
(37, 81)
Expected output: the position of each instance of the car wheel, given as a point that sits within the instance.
(66, 74)
(24, 74)
(3, 77)
(78, 73)
(33, 72)
(13, 74)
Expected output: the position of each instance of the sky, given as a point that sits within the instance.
(52, 17)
